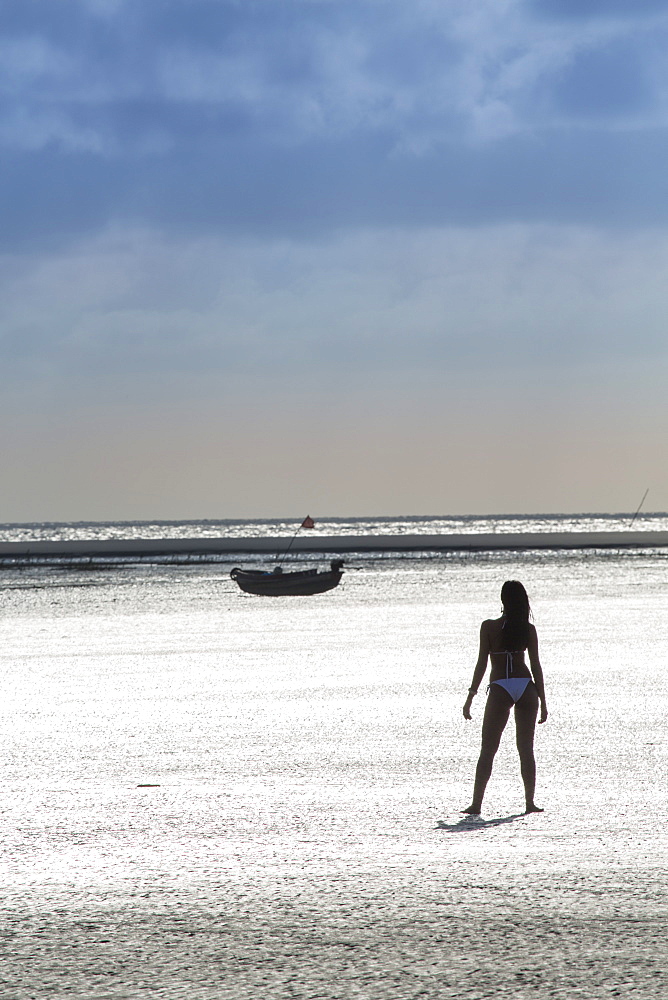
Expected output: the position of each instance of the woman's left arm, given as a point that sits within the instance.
(479, 671)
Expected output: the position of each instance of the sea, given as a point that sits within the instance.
(206, 794)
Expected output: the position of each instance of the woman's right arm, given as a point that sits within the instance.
(537, 671)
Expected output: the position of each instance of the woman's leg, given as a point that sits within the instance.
(526, 712)
(497, 711)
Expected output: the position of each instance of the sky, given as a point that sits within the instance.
(263, 258)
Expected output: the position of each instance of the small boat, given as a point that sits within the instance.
(278, 584)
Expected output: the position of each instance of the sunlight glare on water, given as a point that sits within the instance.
(305, 762)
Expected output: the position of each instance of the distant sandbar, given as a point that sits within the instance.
(138, 547)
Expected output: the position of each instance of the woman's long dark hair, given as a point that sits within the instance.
(516, 612)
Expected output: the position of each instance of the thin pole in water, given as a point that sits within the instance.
(639, 506)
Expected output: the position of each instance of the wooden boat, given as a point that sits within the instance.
(278, 584)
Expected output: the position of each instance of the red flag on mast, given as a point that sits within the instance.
(308, 522)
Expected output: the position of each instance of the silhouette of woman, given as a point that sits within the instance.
(503, 640)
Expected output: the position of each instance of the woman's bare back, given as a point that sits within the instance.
(500, 665)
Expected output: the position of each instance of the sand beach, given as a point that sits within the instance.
(210, 794)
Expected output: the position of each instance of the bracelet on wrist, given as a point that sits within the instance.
(473, 691)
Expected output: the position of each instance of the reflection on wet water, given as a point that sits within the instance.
(212, 795)
(467, 524)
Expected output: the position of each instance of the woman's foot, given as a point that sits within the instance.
(532, 808)
(472, 810)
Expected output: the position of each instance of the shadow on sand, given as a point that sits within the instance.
(472, 824)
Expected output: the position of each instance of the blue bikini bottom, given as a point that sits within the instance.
(515, 686)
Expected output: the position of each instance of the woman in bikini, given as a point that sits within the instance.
(504, 641)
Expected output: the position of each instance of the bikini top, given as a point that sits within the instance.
(508, 653)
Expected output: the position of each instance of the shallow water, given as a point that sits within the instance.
(277, 527)
(310, 757)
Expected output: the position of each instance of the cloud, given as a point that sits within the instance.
(134, 305)
(301, 115)
(373, 220)
(604, 83)
(614, 179)
(305, 117)
(298, 70)
(582, 10)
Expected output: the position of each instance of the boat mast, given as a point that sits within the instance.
(308, 522)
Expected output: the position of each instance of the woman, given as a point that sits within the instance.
(504, 640)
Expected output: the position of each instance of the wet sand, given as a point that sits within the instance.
(305, 838)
